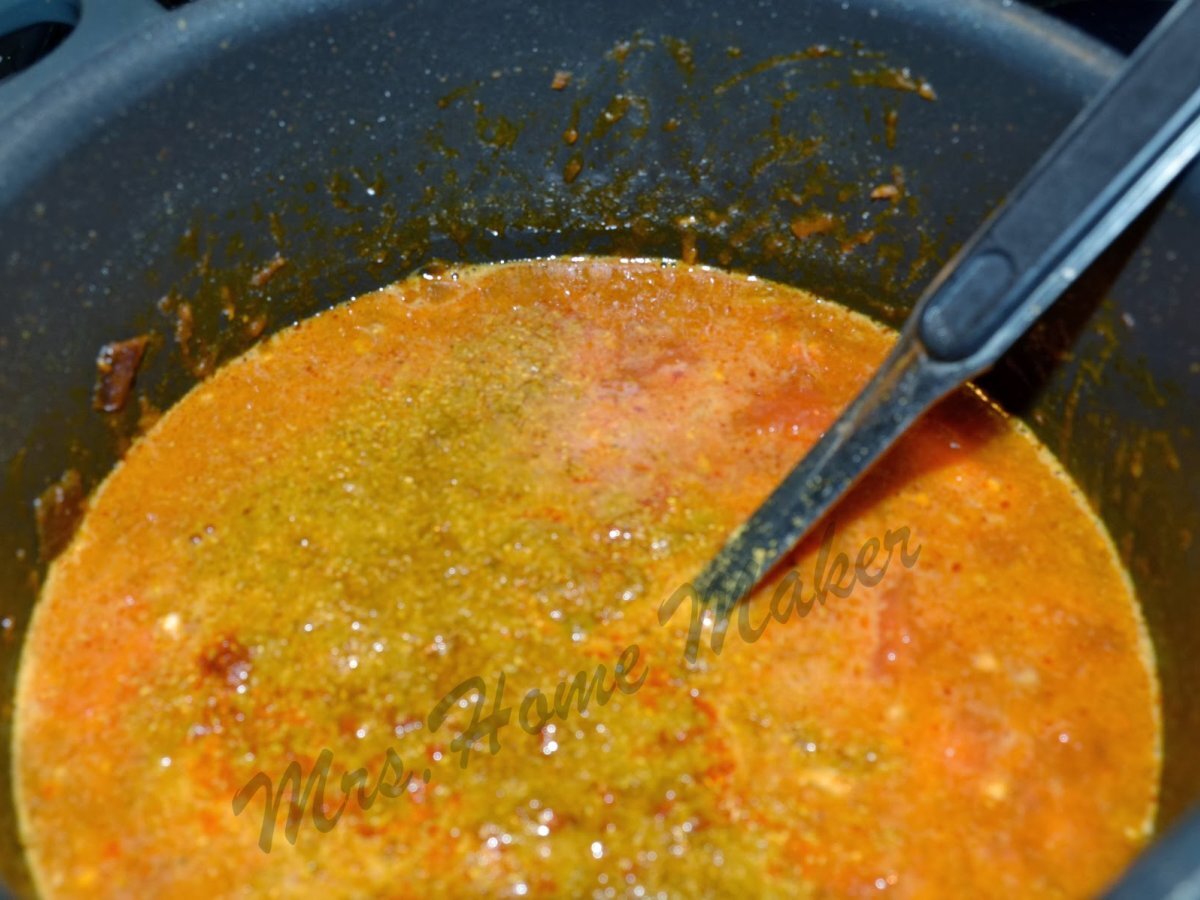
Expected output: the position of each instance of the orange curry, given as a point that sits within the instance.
(415, 549)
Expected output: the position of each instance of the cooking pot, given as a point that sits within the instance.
(211, 173)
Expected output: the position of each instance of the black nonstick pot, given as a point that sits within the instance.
(208, 174)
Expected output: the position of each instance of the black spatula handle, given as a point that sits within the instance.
(1131, 141)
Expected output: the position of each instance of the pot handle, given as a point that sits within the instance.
(98, 26)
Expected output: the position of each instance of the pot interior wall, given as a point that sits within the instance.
(361, 140)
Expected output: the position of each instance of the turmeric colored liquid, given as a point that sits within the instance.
(341, 541)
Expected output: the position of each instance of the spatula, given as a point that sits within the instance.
(1126, 147)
